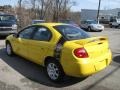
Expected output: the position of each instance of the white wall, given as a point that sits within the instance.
(88, 14)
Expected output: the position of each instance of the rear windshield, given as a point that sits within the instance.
(71, 32)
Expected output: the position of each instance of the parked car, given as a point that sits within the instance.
(68, 22)
(62, 49)
(38, 21)
(114, 23)
(92, 25)
(8, 24)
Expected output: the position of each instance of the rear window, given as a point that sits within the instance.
(71, 33)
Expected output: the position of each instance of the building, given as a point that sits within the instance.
(105, 15)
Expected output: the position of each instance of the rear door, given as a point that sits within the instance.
(39, 44)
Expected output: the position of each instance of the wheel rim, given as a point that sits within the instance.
(53, 71)
(8, 48)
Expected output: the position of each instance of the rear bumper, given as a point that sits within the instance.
(87, 68)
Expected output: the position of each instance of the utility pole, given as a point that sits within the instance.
(19, 13)
(98, 10)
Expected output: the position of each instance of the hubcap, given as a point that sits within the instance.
(8, 48)
(53, 71)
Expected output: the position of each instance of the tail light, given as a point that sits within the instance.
(80, 53)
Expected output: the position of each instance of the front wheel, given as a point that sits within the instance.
(111, 26)
(89, 29)
(9, 49)
(54, 71)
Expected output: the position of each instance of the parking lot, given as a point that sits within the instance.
(19, 74)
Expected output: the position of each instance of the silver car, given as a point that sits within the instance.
(92, 25)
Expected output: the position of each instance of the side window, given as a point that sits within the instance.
(26, 33)
(42, 34)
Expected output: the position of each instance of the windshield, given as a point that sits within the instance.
(7, 18)
(71, 32)
(91, 22)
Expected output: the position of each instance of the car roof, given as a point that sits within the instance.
(38, 20)
(50, 24)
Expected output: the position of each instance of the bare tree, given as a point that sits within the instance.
(43, 6)
(33, 2)
(61, 9)
(49, 10)
(19, 13)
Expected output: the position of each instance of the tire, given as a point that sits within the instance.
(89, 29)
(100, 31)
(116, 26)
(54, 71)
(119, 26)
(111, 26)
(9, 49)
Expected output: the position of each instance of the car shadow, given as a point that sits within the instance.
(95, 85)
(34, 72)
(117, 59)
(2, 37)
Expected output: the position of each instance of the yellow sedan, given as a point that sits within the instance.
(61, 48)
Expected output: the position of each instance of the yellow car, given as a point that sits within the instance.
(61, 48)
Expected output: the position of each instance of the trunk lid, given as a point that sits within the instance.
(96, 47)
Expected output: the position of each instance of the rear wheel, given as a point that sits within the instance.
(9, 49)
(111, 26)
(119, 26)
(54, 70)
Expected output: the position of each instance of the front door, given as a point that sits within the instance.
(39, 45)
(22, 41)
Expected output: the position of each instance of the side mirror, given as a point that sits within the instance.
(15, 35)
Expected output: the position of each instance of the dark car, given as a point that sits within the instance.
(8, 24)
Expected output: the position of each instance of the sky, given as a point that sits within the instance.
(80, 4)
(93, 4)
